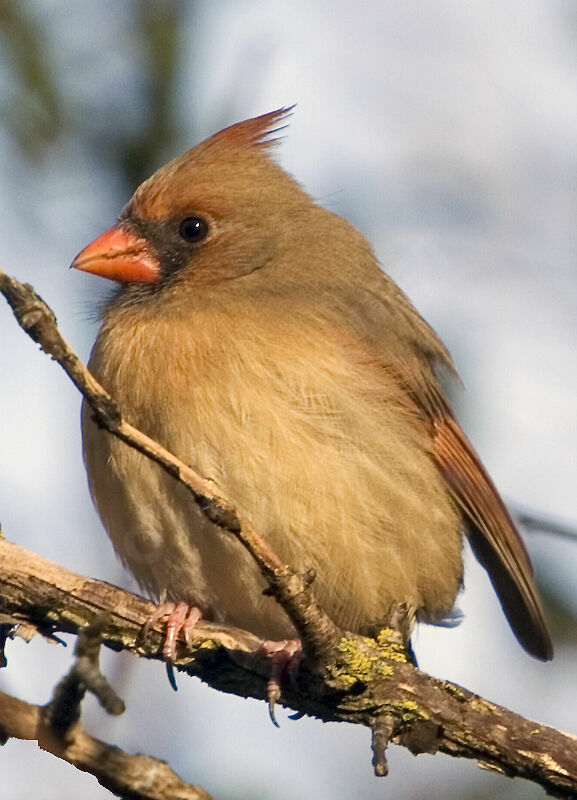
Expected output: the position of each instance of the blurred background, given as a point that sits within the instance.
(447, 133)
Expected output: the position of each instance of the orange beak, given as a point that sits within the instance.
(119, 255)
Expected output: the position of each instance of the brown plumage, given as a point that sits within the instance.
(256, 337)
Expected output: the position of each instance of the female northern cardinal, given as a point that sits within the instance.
(255, 336)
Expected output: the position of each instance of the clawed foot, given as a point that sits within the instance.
(285, 658)
(180, 618)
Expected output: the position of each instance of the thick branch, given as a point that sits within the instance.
(365, 684)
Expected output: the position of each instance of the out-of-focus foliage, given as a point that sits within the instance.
(37, 110)
(30, 106)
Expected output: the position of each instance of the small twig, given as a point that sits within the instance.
(87, 666)
(382, 733)
(317, 632)
(64, 710)
(536, 521)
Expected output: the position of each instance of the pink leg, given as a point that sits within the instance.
(180, 618)
(286, 657)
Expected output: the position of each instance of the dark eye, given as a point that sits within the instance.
(193, 229)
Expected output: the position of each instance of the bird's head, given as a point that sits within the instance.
(207, 216)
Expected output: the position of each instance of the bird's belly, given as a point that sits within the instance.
(330, 465)
(172, 549)
(369, 540)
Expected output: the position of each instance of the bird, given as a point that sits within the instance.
(254, 334)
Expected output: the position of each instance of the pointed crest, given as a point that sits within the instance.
(256, 131)
(214, 164)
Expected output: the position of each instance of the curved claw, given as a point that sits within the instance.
(285, 658)
(271, 704)
(171, 676)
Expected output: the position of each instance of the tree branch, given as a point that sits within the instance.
(367, 683)
(343, 677)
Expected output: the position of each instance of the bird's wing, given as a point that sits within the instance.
(413, 350)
